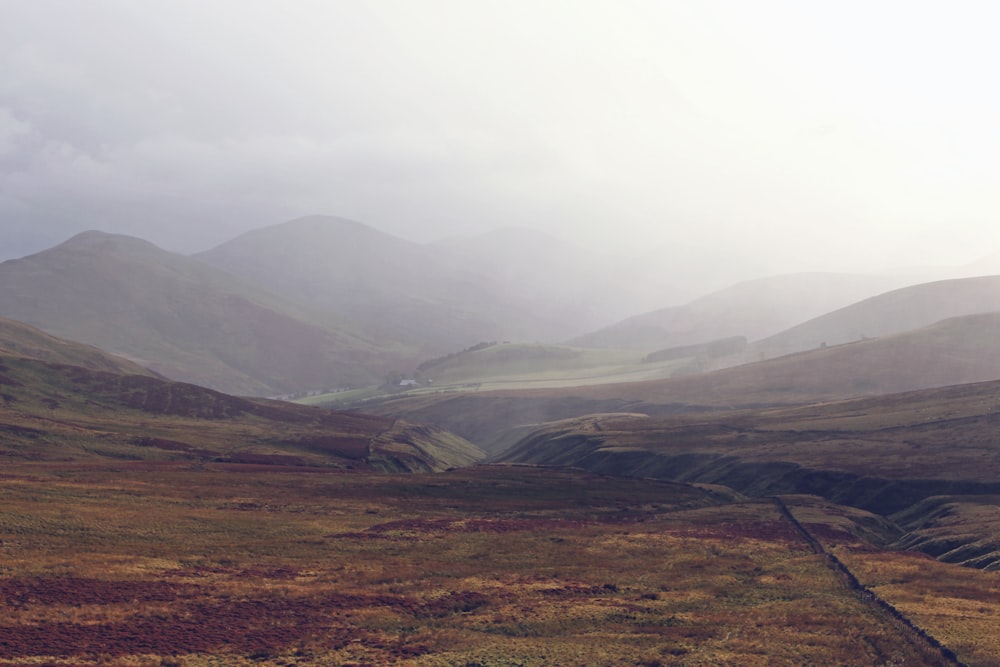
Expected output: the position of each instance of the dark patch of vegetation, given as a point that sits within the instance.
(713, 350)
(426, 366)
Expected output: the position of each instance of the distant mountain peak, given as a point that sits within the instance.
(310, 235)
(320, 224)
(99, 240)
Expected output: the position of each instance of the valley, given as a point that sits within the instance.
(499, 334)
(756, 477)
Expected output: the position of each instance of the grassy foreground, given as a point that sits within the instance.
(154, 564)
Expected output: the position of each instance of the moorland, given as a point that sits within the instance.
(794, 470)
(153, 564)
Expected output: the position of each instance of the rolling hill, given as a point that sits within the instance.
(942, 435)
(927, 459)
(954, 351)
(752, 309)
(182, 318)
(59, 412)
(894, 312)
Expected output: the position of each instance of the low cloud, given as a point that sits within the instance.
(628, 127)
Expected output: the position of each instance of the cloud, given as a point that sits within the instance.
(805, 136)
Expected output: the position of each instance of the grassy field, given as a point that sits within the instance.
(959, 606)
(153, 564)
(519, 366)
(510, 364)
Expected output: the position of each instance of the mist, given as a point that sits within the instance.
(763, 138)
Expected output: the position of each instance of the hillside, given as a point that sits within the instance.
(422, 298)
(21, 340)
(954, 351)
(182, 318)
(752, 309)
(897, 311)
(928, 459)
(943, 434)
(59, 412)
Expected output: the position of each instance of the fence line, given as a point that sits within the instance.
(917, 636)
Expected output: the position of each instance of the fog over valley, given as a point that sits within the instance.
(476, 333)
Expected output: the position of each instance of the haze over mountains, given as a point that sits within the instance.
(890, 313)
(806, 390)
(328, 303)
(181, 317)
(641, 333)
(580, 288)
(399, 292)
(753, 309)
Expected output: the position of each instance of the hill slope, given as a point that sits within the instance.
(422, 298)
(184, 319)
(943, 434)
(21, 340)
(955, 351)
(59, 412)
(928, 458)
(753, 309)
(890, 313)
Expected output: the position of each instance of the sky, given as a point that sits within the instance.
(780, 136)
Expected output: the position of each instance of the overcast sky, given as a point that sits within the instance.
(826, 135)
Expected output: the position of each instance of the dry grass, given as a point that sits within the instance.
(958, 606)
(151, 564)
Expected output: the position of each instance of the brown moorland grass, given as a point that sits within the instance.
(958, 606)
(151, 563)
(58, 412)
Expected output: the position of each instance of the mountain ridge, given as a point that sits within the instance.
(428, 298)
(753, 309)
(889, 313)
(182, 318)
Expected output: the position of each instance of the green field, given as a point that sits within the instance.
(514, 366)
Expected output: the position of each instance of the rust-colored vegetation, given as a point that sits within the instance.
(151, 564)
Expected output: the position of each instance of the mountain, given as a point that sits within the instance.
(951, 352)
(419, 298)
(182, 318)
(897, 311)
(59, 412)
(752, 309)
